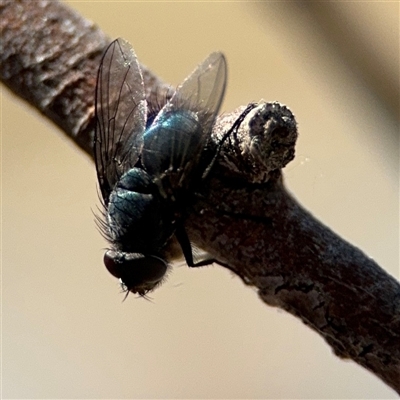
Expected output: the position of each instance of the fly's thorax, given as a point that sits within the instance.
(139, 221)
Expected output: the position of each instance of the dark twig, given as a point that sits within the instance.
(247, 221)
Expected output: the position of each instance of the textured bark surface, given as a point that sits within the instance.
(246, 219)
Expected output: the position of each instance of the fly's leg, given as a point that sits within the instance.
(233, 130)
(186, 246)
(180, 232)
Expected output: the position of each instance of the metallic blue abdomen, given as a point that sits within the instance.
(171, 143)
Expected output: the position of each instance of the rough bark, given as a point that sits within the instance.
(247, 220)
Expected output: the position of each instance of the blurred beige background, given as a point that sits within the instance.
(65, 332)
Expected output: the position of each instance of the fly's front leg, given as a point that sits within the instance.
(186, 246)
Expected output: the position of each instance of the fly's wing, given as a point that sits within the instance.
(121, 112)
(202, 91)
(194, 105)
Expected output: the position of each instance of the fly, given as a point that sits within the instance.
(148, 166)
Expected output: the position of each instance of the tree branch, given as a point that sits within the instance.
(247, 220)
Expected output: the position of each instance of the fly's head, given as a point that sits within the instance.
(137, 273)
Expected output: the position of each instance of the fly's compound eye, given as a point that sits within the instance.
(137, 273)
